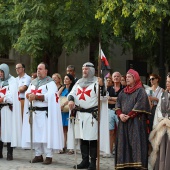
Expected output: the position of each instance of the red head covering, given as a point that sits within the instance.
(137, 80)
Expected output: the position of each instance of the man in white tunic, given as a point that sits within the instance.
(85, 95)
(23, 82)
(10, 112)
(47, 122)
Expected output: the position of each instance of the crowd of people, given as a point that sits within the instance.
(35, 112)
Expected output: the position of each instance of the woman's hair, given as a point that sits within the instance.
(73, 81)
(124, 77)
(156, 76)
(59, 76)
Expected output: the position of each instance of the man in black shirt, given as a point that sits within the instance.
(113, 119)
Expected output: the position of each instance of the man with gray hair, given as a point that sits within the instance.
(71, 70)
(83, 98)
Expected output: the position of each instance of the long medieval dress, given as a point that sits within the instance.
(160, 135)
(132, 135)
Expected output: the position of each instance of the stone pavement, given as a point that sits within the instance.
(60, 161)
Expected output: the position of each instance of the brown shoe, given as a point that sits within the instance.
(47, 161)
(37, 159)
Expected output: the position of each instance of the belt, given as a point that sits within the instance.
(39, 108)
(6, 104)
(92, 110)
(21, 98)
(87, 110)
(112, 108)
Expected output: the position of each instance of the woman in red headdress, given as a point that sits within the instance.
(132, 138)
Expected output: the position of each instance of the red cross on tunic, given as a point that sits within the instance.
(56, 96)
(83, 92)
(36, 91)
(3, 91)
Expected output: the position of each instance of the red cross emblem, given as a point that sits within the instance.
(56, 96)
(36, 91)
(3, 91)
(82, 93)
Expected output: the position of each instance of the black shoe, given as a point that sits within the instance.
(82, 165)
(1, 156)
(92, 166)
(9, 157)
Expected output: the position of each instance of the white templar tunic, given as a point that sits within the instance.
(46, 128)
(11, 123)
(84, 128)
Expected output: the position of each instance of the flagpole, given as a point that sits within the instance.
(99, 75)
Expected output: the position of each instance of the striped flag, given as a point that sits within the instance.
(105, 68)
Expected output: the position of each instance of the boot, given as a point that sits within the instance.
(37, 159)
(84, 147)
(1, 149)
(93, 155)
(47, 161)
(9, 152)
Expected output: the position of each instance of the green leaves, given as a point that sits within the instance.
(39, 27)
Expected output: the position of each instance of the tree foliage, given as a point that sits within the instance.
(142, 17)
(138, 23)
(41, 27)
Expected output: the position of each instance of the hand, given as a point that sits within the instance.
(71, 105)
(100, 81)
(62, 107)
(31, 97)
(124, 117)
(150, 98)
(1, 99)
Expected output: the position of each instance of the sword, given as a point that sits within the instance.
(31, 131)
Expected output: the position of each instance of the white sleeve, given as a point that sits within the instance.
(8, 97)
(27, 81)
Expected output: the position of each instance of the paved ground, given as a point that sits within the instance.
(60, 162)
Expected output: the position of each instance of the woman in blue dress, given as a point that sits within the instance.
(64, 91)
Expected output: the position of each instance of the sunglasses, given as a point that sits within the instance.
(151, 79)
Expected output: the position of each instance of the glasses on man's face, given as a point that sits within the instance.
(151, 79)
(18, 68)
(168, 75)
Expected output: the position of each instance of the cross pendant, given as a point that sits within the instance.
(92, 122)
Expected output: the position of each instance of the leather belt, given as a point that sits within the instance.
(21, 98)
(39, 108)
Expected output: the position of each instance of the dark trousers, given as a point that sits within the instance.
(89, 148)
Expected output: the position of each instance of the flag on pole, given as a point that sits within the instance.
(105, 68)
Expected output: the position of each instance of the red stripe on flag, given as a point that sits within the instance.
(104, 59)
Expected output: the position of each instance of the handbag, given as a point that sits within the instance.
(63, 99)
